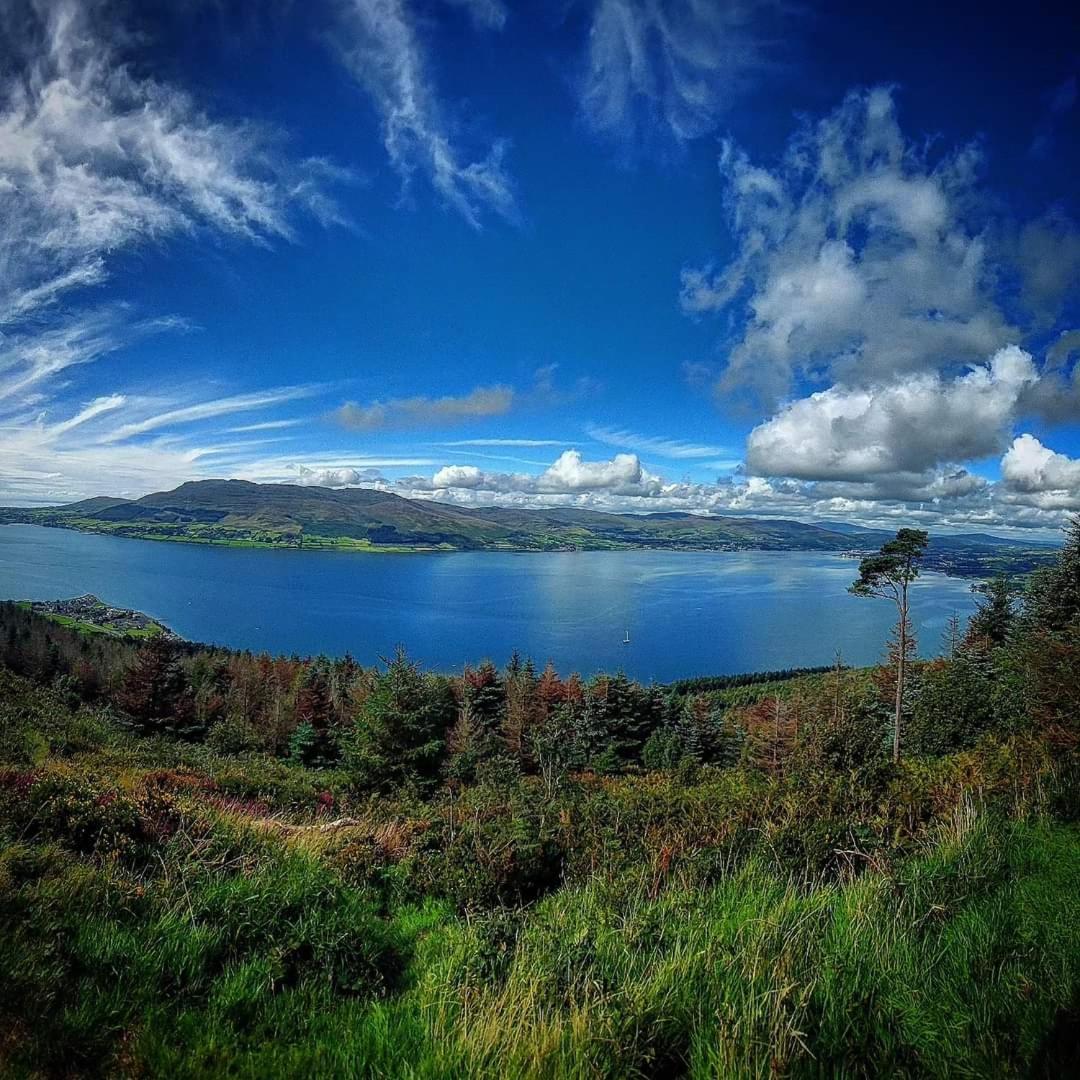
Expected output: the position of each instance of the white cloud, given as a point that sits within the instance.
(661, 446)
(336, 478)
(569, 474)
(859, 259)
(1038, 476)
(205, 410)
(907, 426)
(504, 442)
(94, 158)
(572, 473)
(91, 411)
(29, 360)
(379, 43)
(654, 66)
(265, 425)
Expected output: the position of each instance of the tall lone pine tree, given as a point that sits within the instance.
(888, 575)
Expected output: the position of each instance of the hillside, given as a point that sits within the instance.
(238, 512)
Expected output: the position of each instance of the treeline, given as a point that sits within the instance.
(1016, 664)
(703, 683)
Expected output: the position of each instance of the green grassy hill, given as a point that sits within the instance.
(238, 512)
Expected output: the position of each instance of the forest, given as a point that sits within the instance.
(219, 863)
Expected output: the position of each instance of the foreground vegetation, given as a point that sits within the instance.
(214, 863)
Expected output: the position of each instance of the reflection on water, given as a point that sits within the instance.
(687, 613)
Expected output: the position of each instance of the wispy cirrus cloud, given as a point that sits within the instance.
(485, 14)
(671, 69)
(266, 425)
(380, 44)
(505, 442)
(130, 443)
(95, 158)
(659, 445)
(30, 359)
(205, 410)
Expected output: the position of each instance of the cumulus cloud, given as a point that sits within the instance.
(669, 67)
(419, 412)
(905, 426)
(380, 45)
(572, 473)
(337, 478)
(859, 259)
(569, 474)
(95, 158)
(1036, 475)
(948, 497)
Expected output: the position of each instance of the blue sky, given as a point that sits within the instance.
(817, 261)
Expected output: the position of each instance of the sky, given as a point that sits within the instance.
(810, 260)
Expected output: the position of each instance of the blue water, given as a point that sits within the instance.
(687, 613)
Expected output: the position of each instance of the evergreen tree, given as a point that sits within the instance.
(992, 622)
(154, 692)
(314, 715)
(888, 575)
(1053, 599)
(399, 737)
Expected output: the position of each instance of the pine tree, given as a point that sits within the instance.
(992, 623)
(1053, 598)
(399, 737)
(154, 691)
(888, 575)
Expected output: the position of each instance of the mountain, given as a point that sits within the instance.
(238, 512)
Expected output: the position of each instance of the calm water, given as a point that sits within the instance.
(687, 613)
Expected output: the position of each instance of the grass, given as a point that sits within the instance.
(197, 534)
(167, 911)
(92, 628)
(89, 629)
(247, 957)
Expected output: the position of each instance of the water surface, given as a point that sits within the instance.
(688, 613)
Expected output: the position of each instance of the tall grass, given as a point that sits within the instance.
(259, 962)
(169, 912)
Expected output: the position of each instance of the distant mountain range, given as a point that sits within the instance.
(240, 513)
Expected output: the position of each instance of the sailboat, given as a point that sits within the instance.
(626, 639)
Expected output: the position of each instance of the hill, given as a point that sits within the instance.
(283, 514)
(239, 512)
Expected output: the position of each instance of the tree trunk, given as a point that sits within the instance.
(901, 661)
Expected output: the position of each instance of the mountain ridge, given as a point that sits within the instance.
(243, 513)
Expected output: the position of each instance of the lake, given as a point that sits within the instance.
(687, 613)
